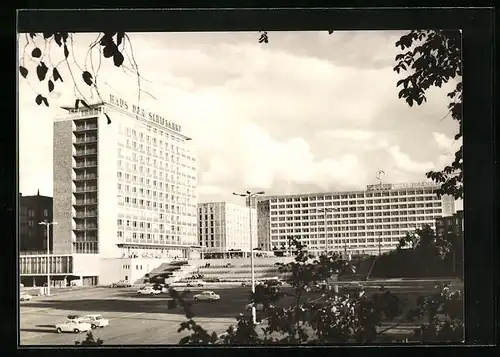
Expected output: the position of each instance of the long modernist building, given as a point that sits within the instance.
(124, 187)
(355, 222)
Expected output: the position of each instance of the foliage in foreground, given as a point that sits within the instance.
(421, 253)
(328, 316)
(89, 341)
(432, 58)
(347, 316)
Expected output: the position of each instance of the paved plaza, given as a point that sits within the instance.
(136, 320)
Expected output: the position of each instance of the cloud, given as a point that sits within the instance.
(348, 134)
(308, 111)
(446, 143)
(404, 161)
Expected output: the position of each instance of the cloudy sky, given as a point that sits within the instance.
(307, 112)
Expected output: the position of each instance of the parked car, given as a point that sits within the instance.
(73, 325)
(148, 290)
(161, 288)
(96, 320)
(193, 283)
(206, 296)
(74, 317)
(25, 297)
(121, 284)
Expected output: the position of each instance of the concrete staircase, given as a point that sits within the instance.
(152, 273)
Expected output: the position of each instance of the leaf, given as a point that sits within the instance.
(109, 50)
(330, 32)
(66, 52)
(41, 71)
(51, 85)
(32, 34)
(119, 38)
(58, 39)
(36, 53)
(107, 117)
(38, 99)
(118, 59)
(77, 102)
(87, 77)
(45, 101)
(47, 35)
(23, 71)
(56, 75)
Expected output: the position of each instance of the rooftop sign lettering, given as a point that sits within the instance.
(143, 113)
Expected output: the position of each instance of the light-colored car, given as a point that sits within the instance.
(25, 297)
(198, 283)
(121, 284)
(73, 325)
(148, 290)
(206, 296)
(96, 320)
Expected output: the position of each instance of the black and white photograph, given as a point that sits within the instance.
(240, 188)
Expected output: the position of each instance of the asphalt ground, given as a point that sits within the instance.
(146, 320)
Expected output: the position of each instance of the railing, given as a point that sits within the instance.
(78, 113)
(87, 202)
(86, 214)
(86, 164)
(85, 177)
(85, 227)
(86, 188)
(86, 127)
(85, 152)
(86, 139)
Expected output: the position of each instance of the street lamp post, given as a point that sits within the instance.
(47, 225)
(250, 195)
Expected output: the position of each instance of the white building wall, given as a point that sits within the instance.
(107, 185)
(86, 264)
(112, 270)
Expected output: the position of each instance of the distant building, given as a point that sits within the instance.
(263, 226)
(223, 229)
(449, 225)
(32, 235)
(451, 229)
(367, 221)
